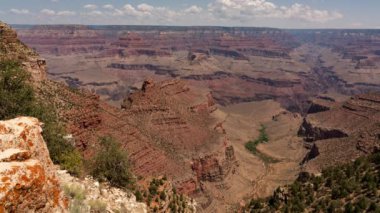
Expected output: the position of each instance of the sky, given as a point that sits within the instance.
(253, 13)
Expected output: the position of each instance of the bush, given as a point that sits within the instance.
(72, 161)
(139, 196)
(97, 206)
(111, 164)
(17, 98)
(16, 95)
(75, 192)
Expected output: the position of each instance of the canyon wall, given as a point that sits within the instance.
(343, 133)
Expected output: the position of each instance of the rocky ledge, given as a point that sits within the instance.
(28, 180)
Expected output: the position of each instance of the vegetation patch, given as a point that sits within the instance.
(111, 164)
(17, 98)
(77, 195)
(263, 138)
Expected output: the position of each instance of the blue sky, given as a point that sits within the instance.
(269, 13)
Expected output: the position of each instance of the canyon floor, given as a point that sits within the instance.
(277, 163)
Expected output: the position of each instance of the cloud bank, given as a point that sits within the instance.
(230, 12)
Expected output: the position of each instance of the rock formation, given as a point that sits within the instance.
(343, 133)
(28, 177)
(12, 49)
(212, 169)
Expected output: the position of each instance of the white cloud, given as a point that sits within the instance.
(193, 9)
(90, 6)
(143, 12)
(108, 6)
(219, 12)
(145, 8)
(95, 13)
(66, 13)
(304, 12)
(48, 12)
(130, 10)
(20, 11)
(246, 10)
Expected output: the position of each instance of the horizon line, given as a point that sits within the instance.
(196, 26)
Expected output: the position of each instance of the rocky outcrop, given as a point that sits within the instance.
(320, 104)
(28, 177)
(208, 168)
(213, 169)
(12, 49)
(311, 133)
(343, 133)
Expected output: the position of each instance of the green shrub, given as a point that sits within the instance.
(72, 161)
(111, 164)
(153, 188)
(139, 196)
(97, 206)
(17, 98)
(16, 95)
(75, 192)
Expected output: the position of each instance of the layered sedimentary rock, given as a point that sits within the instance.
(162, 125)
(196, 54)
(359, 46)
(213, 168)
(28, 177)
(158, 41)
(290, 66)
(343, 133)
(12, 49)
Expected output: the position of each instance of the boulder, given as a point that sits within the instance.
(28, 181)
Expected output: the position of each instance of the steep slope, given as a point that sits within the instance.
(165, 126)
(12, 49)
(29, 180)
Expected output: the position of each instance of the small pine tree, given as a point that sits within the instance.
(111, 164)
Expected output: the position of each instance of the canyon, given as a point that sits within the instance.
(184, 101)
(289, 66)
